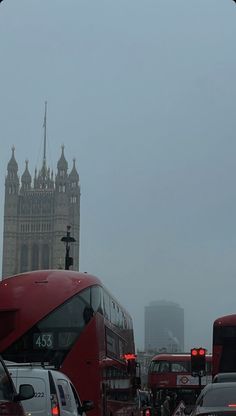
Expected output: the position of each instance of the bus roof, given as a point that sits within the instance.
(225, 320)
(39, 292)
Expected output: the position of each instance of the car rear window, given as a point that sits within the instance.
(219, 397)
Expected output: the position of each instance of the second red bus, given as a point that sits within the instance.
(170, 374)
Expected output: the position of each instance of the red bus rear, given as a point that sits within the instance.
(224, 345)
(170, 374)
(70, 321)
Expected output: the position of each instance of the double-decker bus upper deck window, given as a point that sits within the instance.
(96, 301)
(154, 367)
(180, 367)
(106, 305)
(164, 367)
(52, 337)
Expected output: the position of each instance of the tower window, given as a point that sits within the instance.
(45, 256)
(62, 188)
(35, 257)
(24, 258)
(11, 190)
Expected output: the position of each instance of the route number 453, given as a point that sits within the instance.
(43, 340)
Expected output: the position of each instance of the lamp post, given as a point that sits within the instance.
(68, 240)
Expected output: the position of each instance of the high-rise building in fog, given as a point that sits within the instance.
(36, 216)
(164, 327)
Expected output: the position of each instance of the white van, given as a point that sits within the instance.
(54, 392)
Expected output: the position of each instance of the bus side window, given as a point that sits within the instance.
(106, 305)
(164, 367)
(96, 298)
(154, 367)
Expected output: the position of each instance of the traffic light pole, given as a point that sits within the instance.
(200, 381)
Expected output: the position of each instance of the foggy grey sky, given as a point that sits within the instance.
(142, 93)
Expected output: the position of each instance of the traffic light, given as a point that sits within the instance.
(198, 361)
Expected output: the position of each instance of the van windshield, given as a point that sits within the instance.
(6, 388)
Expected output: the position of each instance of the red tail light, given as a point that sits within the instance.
(147, 412)
(232, 405)
(55, 409)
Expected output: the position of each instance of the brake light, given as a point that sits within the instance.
(55, 409)
(129, 356)
(147, 412)
(232, 405)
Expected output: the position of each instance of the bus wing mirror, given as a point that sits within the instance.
(87, 405)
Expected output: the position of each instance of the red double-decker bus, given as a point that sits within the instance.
(224, 345)
(69, 320)
(170, 374)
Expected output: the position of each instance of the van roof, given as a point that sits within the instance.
(30, 364)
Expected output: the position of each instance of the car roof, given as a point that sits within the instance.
(223, 376)
(217, 386)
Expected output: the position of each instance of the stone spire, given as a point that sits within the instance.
(62, 164)
(12, 180)
(26, 177)
(12, 166)
(74, 176)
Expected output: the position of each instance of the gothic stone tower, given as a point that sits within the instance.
(37, 214)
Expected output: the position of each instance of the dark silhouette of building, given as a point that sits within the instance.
(36, 215)
(164, 327)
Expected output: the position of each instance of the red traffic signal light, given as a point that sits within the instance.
(198, 361)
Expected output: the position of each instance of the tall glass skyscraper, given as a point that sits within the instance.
(164, 327)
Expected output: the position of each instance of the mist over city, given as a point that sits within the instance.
(142, 95)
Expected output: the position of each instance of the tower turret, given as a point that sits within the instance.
(10, 216)
(12, 179)
(74, 178)
(62, 176)
(74, 195)
(26, 178)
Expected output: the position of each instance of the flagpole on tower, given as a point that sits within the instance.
(45, 135)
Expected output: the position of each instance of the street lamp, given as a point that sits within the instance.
(68, 240)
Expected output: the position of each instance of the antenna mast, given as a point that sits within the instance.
(45, 135)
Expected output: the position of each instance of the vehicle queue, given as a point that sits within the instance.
(74, 352)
